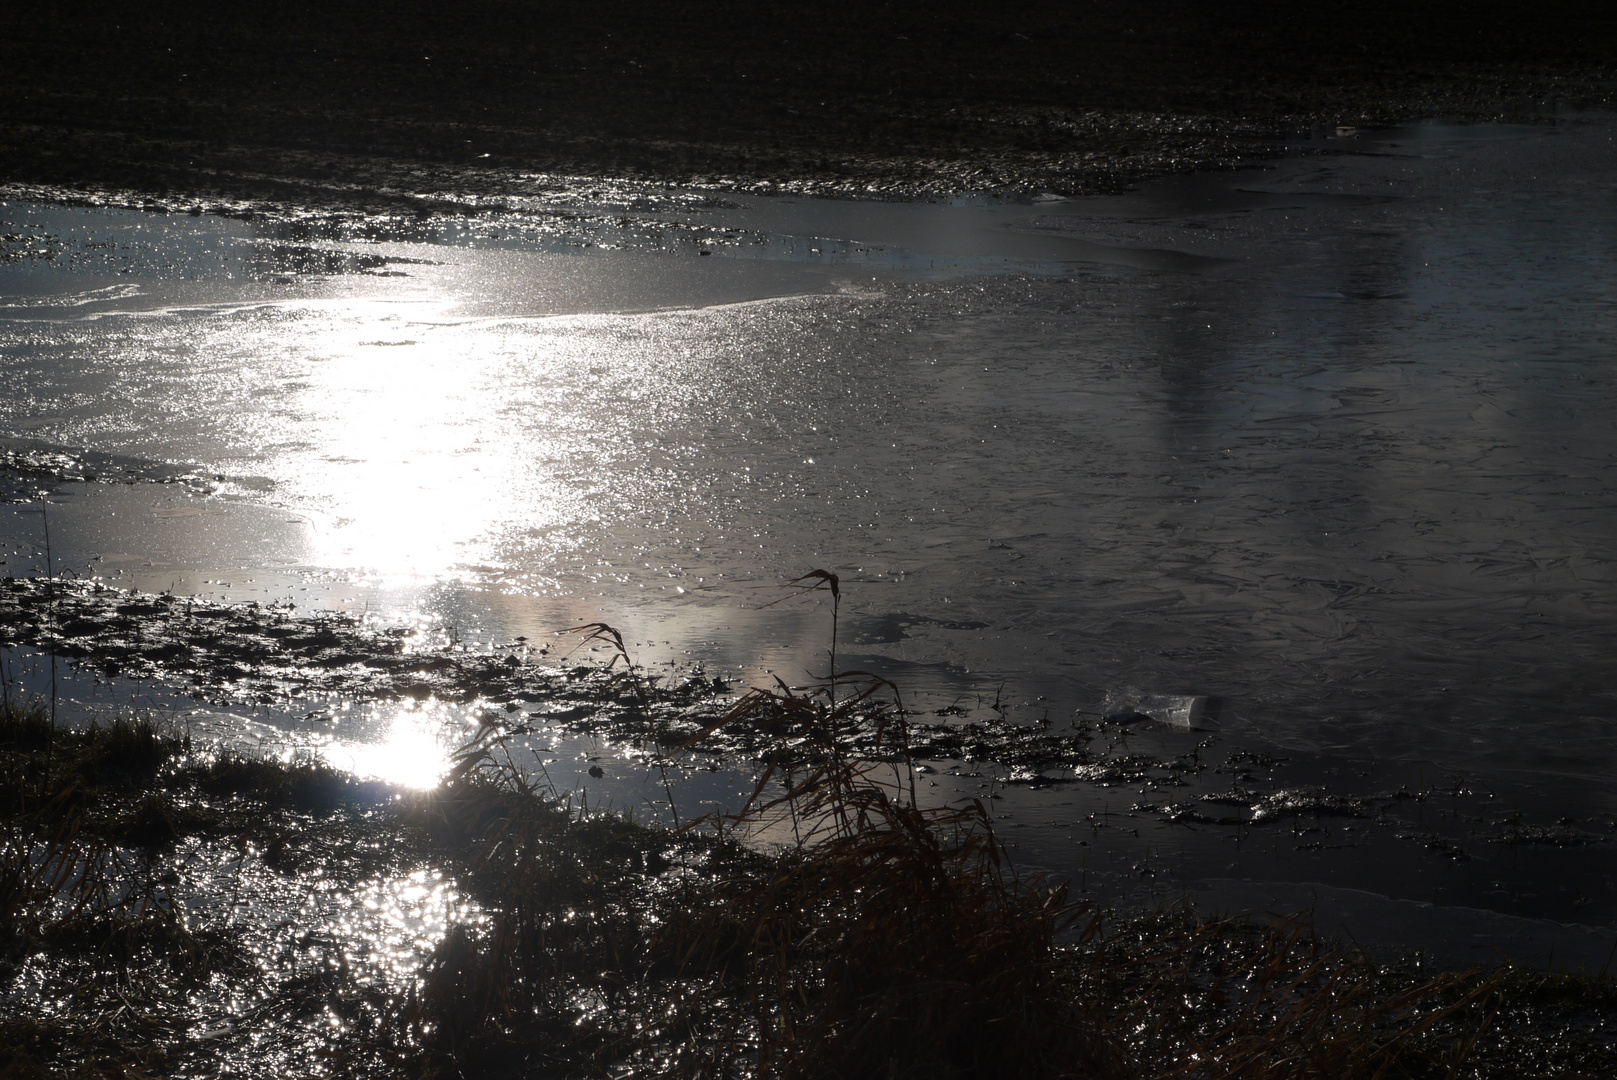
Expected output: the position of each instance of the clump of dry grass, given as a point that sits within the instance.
(884, 939)
(899, 944)
(888, 939)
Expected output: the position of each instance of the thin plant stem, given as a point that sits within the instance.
(50, 585)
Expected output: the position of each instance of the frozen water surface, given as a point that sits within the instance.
(1331, 441)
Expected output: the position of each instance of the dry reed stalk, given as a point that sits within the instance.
(888, 939)
(894, 940)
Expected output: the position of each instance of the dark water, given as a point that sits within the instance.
(1332, 441)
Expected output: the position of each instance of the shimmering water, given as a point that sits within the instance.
(1332, 440)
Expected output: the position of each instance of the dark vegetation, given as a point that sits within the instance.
(156, 919)
(273, 655)
(383, 104)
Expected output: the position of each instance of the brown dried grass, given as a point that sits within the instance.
(884, 939)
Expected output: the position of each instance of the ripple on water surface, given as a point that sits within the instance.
(1348, 467)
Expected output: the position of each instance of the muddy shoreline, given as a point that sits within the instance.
(273, 655)
(394, 108)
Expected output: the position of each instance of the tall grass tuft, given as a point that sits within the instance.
(900, 944)
(884, 939)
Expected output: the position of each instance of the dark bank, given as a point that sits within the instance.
(389, 104)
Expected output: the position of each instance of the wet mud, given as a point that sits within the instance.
(29, 473)
(388, 109)
(252, 653)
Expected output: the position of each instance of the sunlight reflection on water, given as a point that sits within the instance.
(346, 955)
(413, 751)
(1353, 478)
(1352, 473)
(401, 920)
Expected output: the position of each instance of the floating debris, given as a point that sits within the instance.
(1183, 712)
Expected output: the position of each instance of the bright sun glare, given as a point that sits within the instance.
(402, 457)
(410, 755)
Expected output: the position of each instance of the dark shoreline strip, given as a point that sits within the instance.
(388, 107)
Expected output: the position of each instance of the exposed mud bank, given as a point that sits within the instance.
(1111, 152)
(28, 473)
(252, 653)
(384, 107)
(274, 655)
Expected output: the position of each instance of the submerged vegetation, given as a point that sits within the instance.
(166, 909)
